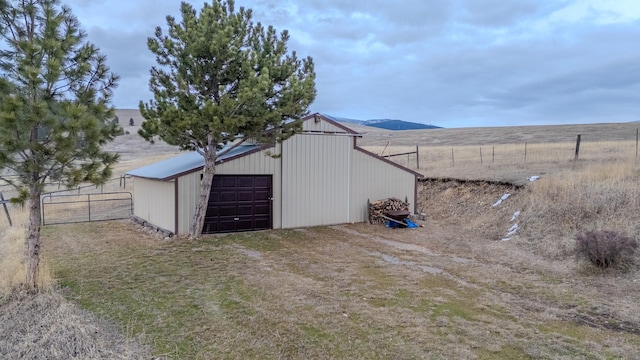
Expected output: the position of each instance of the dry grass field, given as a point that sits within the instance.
(449, 289)
(510, 154)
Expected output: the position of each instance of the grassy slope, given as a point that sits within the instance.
(503, 135)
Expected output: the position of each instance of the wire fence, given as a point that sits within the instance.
(83, 203)
(505, 160)
(63, 209)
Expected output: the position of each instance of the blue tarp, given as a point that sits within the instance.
(407, 223)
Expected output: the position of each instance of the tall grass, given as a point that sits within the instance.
(13, 254)
(598, 191)
(597, 196)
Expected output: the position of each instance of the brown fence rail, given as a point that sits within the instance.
(75, 208)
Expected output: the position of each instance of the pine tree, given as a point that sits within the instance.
(55, 91)
(220, 77)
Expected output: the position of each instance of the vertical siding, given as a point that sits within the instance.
(311, 125)
(188, 194)
(374, 179)
(258, 163)
(315, 180)
(154, 201)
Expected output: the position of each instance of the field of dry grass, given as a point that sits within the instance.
(487, 136)
(12, 251)
(598, 196)
(450, 289)
(510, 154)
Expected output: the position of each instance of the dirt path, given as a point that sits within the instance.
(461, 240)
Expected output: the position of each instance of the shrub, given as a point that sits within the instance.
(605, 248)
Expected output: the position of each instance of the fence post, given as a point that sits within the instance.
(525, 152)
(577, 148)
(417, 158)
(480, 155)
(89, 203)
(43, 210)
(6, 210)
(453, 162)
(493, 154)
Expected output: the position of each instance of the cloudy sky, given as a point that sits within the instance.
(453, 63)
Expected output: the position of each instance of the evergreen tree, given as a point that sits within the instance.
(131, 122)
(220, 77)
(55, 91)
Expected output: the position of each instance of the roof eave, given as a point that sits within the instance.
(332, 122)
(415, 173)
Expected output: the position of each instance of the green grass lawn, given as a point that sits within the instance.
(313, 293)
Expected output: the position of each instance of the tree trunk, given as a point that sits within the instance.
(197, 223)
(33, 240)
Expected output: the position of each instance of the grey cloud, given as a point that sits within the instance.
(416, 13)
(603, 84)
(452, 63)
(497, 13)
(126, 52)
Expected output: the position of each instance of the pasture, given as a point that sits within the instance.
(449, 289)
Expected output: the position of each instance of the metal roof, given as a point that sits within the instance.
(185, 163)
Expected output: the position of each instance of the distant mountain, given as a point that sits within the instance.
(391, 124)
(388, 124)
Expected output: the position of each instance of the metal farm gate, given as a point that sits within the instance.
(75, 208)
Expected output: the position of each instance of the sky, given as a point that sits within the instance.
(451, 63)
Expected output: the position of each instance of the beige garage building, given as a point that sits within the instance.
(321, 177)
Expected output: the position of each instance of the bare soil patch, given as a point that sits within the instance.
(452, 202)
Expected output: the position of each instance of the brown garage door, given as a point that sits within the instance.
(239, 203)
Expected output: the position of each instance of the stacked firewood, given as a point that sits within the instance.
(381, 207)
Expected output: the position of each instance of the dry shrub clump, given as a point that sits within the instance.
(43, 325)
(588, 197)
(46, 326)
(604, 248)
